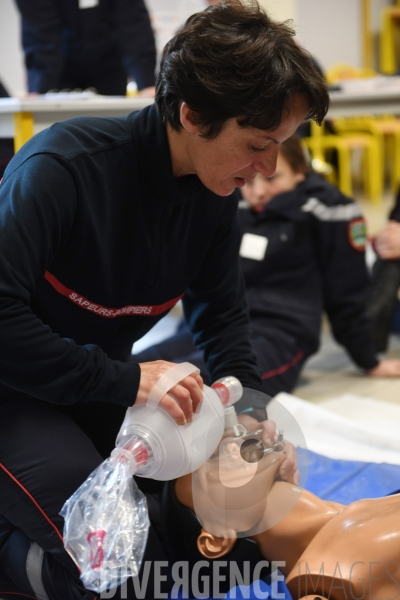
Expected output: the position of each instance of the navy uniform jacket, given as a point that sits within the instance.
(314, 261)
(105, 35)
(98, 241)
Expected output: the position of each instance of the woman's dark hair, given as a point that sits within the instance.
(295, 155)
(232, 61)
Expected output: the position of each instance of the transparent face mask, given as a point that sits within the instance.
(230, 491)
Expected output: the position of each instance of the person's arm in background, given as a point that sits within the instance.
(41, 39)
(137, 43)
(387, 242)
(341, 251)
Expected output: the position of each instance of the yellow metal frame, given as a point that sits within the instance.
(23, 127)
(390, 19)
(318, 143)
(367, 35)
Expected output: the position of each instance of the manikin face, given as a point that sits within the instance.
(230, 494)
(237, 154)
(262, 189)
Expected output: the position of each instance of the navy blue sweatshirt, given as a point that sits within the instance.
(98, 241)
(314, 262)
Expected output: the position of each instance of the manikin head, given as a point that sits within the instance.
(197, 545)
(229, 493)
(233, 85)
(291, 169)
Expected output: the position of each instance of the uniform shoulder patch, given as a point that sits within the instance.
(357, 234)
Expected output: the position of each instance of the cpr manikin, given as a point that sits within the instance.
(329, 550)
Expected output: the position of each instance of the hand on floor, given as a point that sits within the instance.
(386, 368)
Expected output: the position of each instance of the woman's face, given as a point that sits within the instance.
(260, 190)
(237, 154)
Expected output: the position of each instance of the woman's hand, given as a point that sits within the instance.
(181, 401)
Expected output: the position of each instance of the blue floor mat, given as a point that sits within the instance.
(346, 481)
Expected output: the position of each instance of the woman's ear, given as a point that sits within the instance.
(212, 546)
(187, 121)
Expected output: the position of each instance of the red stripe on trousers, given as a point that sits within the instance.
(284, 367)
(18, 593)
(33, 500)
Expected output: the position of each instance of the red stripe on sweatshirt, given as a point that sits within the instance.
(145, 310)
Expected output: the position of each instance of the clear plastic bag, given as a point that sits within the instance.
(106, 524)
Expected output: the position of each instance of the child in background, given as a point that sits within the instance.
(302, 253)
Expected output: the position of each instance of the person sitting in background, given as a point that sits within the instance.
(6, 144)
(71, 44)
(302, 253)
(383, 299)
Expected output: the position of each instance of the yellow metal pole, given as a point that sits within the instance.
(390, 16)
(367, 37)
(23, 127)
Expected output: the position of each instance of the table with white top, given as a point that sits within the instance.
(357, 102)
(22, 118)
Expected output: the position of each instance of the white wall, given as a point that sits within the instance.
(331, 31)
(281, 10)
(168, 15)
(12, 71)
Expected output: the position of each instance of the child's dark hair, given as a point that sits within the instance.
(295, 155)
(232, 61)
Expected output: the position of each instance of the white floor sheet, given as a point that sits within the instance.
(348, 427)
